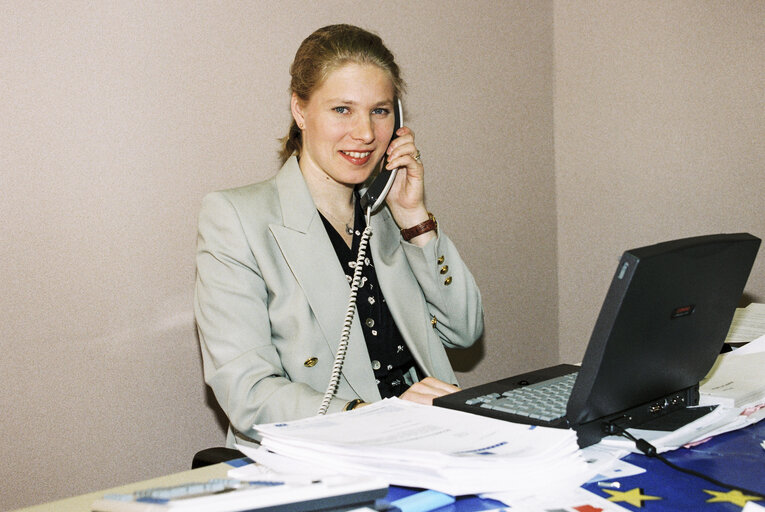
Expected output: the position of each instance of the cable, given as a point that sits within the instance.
(342, 347)
(650, 451)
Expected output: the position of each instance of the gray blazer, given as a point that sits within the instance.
(271, 296)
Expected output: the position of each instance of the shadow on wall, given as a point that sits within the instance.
(465, 360)
(212, 403)
(746, 299)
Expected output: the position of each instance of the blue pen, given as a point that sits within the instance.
(424, 501)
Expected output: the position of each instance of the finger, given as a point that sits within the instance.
(405, 155)
(401, 151)
(420, 398)
(405, 160)
(432, 388)
(404, 133)
(440, 385)
(403, 136)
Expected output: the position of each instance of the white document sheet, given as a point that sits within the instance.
(748, 324)
(430, 447)
(756, 346)
(736, 379)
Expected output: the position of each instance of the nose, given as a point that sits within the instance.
(363, 129)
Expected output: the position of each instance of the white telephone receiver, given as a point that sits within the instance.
(373, 198)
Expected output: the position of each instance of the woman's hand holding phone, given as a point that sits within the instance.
(406, 198)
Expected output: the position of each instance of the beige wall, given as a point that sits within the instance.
(118, 117)
(659, 134)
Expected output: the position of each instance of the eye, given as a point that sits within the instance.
(341, 110)
(381, 111)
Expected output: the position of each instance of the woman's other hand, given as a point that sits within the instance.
(427, 389)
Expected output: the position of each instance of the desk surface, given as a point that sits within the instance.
(82, 503)
(735, 457)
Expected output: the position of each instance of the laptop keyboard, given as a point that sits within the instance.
(545, 401)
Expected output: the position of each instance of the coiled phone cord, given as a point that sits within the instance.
(342, 347)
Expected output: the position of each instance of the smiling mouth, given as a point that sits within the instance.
(356, 157)
(357, 154)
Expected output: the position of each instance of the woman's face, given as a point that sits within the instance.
(347, 124)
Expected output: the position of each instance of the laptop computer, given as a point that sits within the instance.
(661, 326)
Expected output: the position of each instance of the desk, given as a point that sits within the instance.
(82, 503)
(735, 457)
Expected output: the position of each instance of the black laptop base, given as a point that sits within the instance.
(667, 413)
(458, 400)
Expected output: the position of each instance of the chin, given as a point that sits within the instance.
(358, 176)
(358, 180)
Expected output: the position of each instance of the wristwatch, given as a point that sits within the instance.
(353, 404)
(423, 227)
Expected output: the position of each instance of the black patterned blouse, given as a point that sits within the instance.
(392, 362)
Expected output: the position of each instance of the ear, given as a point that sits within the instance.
(296, 105)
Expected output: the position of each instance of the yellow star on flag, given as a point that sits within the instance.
(735, 497)
(634, 497)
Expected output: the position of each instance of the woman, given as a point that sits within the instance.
(275, 259)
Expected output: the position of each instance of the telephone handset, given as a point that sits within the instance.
(374, 197)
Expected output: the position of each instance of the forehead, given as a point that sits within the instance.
(357, 81)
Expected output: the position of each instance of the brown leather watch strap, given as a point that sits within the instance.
(423, 227)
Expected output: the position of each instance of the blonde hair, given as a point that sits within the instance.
(326, 50)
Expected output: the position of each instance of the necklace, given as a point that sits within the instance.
(349, 224)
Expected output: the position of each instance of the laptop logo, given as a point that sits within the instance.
(683, 311)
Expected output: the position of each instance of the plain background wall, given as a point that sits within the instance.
(555, 135)
(119, 116)
(659, 134)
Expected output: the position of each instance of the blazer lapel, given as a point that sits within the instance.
(309, 253)
(399, 287)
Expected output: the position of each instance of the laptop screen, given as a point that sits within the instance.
(661, 326)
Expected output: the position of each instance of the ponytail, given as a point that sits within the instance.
(291, 144)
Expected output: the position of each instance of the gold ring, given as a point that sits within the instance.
(417, 157)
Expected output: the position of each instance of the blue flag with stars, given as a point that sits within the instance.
(735, 458)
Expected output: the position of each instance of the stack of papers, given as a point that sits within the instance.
(227, 495)
(414, 445)
(748, 324)
(736, 380)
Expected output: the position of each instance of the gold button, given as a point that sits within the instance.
(445, 269)
(448, 281)
(310, 362)
(440, 260)
(370, 322)
(376, 365)
(433, 321)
